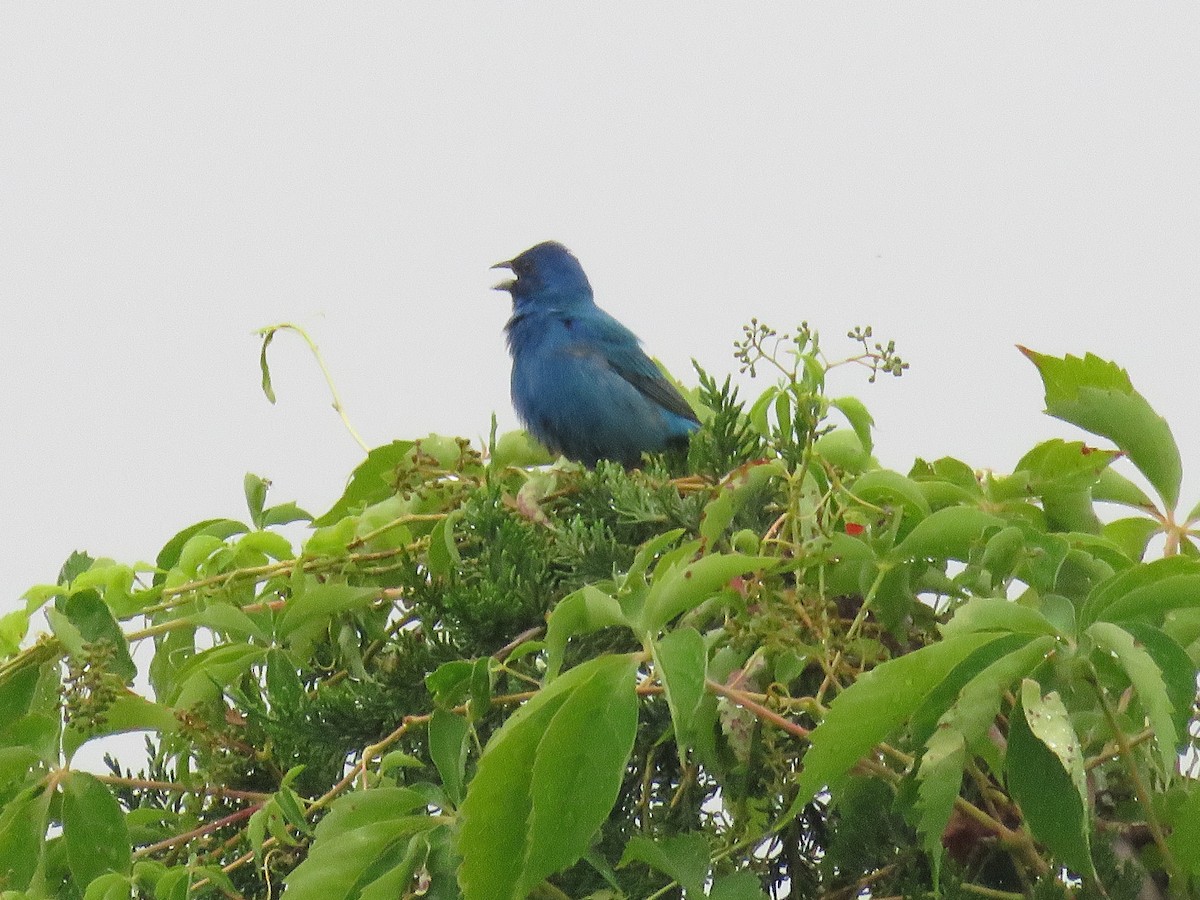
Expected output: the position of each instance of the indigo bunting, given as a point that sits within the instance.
(580, 381)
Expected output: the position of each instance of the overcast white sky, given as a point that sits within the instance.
(962, 177)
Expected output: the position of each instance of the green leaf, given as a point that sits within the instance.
(109, 887)
(547, 780)
(741, 485)
(578, 768)
(964, 725)
(1132, 535)
(13, 628)
(22, 836)
(995, 614)
(128, 712)
(397, 881)
(283, 513)
(1146, 591)
(883, 487)
(978, 703)
(1178, 671)
(1148, 684)
(202, 678)
(364, 837)
(1113, 487)
(582, 612)
(1183, 831)
(284, 688)
(1098, 396)
(738, 886)
(228, 620)
(682, 663)
(1044, 768)
(309, 612)
(842, 449)
(255, 488)
(443, 556)
(448, 748)
(371, 482)
(939, 781)
(685, 586)
(873, 707)
(94, 829)
(684, 858)
(450, 682)
(88, 613)
(168, 557)
(949, 533)
(267, 389)
(858, 417)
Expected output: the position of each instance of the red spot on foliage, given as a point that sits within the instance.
(854, 529)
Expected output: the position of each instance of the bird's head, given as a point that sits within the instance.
(546, 273)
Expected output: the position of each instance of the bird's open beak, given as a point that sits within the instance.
(507, 284)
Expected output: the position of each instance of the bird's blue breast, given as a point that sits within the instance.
(569, 390)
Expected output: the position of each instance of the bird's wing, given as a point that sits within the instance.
(618, 346)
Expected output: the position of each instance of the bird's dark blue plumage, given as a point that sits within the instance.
(580, 381)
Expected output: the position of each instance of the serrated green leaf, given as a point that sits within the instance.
(682, 660)
(939, 781)
(448, 748)
(1098, 396)
(1142, 583)
(1148, 683)
(1113, 487)
(578, 769)
(1177, 668)
(94, 829)
(873, 707)
(228, 620)
(1044, 768)
(1183, 830)
(544, 783)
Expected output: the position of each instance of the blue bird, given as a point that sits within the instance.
(580, 381)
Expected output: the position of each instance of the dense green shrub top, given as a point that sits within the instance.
(771, 666)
